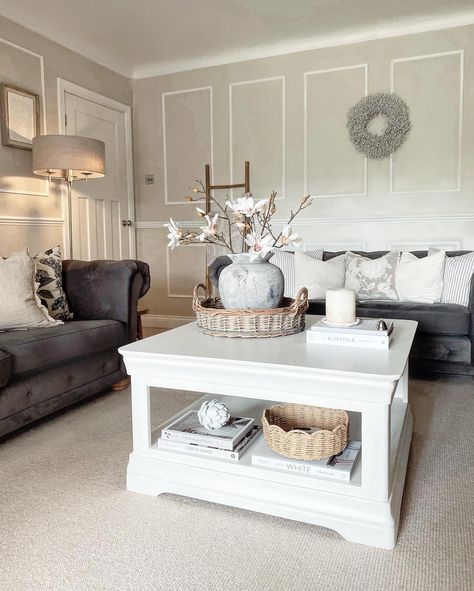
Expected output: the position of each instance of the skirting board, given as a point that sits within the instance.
(165, 321)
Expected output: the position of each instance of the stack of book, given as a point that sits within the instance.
(365, 334)
(186, 434)
(338, 467)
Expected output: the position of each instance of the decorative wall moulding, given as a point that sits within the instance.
(457, 184)
(44, 129)
(160, 225)
(166, 321)
(388, 219)
(43, 82)
(335, 246)
(30, 221)
(441, 245)
(307, 75)
(163, 120)
(188, 292)
(232, 85)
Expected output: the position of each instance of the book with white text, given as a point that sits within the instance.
(213, 452)
(365, 326)
(338, 467)
(363, 341)
(188, 429)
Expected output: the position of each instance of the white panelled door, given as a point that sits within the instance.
(102, 209)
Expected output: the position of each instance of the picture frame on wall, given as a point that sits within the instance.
(20, 116)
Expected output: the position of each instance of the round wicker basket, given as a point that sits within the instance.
(214, 319)
(280, 428)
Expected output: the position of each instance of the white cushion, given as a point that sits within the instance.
(20, 306)
(458, 272)
(318, 276)
(420, 280)
(372, 279)
(285, 260)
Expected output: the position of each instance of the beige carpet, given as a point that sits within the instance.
(67, 522)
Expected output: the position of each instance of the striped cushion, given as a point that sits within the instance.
(458, 273)
(285, 259)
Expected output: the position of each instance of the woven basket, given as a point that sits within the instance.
(215, 320)
(278, 420)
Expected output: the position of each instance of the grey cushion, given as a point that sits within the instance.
(439, 319)
(39, 348)
(4, 368)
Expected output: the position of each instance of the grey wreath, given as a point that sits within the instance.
(396, 113)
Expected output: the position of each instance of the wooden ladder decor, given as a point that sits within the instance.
(208, 187)
(207, 174)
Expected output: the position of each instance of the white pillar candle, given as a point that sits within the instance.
(340, 306)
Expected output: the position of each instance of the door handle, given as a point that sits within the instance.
(126, 222)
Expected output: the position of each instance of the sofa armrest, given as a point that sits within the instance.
(471, 311)
(106, 290)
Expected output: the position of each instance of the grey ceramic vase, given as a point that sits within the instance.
(251, 284)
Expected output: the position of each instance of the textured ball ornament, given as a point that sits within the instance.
(397, 118)
(213, 415)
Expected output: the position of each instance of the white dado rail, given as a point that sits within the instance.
(30, 221)
(390, 218)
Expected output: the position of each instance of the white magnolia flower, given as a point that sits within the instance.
(289, 238)
(175, 233)
(200, 211)
(211, 229)
(259, 246)
(246, 205)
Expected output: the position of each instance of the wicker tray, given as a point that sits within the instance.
(215, 320)
(278, 420)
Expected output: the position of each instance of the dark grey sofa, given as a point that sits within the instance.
(444, 340)
(45, 369)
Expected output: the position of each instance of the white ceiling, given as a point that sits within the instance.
(141, 38)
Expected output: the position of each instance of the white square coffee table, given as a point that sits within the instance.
(249, 375)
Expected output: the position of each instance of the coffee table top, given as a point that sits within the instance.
(188, 342)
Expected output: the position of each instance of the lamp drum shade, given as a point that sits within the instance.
(68, 156)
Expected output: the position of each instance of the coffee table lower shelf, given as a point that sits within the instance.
(345, 507)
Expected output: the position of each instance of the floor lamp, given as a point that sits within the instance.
(69, 158)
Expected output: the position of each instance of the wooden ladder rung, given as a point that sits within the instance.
(226, 186)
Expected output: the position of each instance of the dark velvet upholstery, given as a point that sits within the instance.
(43, 370)
(443, 344)
(22, 396)
(105, 290)
(435, 319)
(5, 366)
(41, 348)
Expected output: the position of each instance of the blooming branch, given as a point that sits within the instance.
(250, 218)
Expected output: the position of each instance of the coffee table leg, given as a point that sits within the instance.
(402, 388)
(376, 451)
(141, 416)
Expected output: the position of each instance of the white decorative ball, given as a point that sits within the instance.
(213, 415)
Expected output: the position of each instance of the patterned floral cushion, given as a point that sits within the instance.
(372, 279)
(49, 281)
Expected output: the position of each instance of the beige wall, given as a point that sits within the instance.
(30, 211)
(287, 116)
